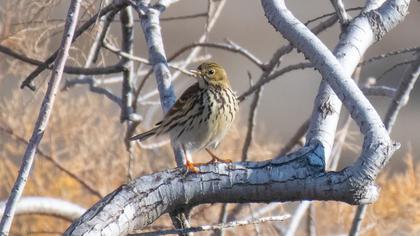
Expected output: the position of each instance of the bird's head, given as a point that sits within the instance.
(211, 73)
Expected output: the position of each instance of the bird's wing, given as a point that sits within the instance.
(182, 104)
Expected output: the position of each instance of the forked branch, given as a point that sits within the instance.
(298, 176)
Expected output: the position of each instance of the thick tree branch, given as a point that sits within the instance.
(298, 176)
(359, 34)
(43, 117)
(150, 24)
(400, 99)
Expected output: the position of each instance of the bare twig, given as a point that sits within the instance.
(100, 37)
(274, 75)
(389, 54)
(68, 69)
(126, 18)
(230, 46)
(119, 52)
(400, 99)
(128, 84)
(341, 11)
(215, 227)
(185, 17)
(93, 87)
(114, 6)
(297, 215)
(311, 225)
(223, 219)
(331, 14)
(43, 117)
(252, 120)
(381, 76)
(402, 94)
(378, 91)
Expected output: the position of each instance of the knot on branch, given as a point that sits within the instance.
(382, 20)
(376, 23)
(363, 194)
(327, 107)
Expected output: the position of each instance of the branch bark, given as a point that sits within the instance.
(298, 176)
(43, 117)
(400, 99)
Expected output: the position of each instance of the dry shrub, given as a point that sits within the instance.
(397, 211)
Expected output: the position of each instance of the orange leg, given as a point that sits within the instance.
(214, 158)
(192, 166)
(189, 164)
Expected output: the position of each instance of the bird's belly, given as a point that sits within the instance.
(207, 123)
(205, 130)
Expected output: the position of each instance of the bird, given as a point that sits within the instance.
(201, 116)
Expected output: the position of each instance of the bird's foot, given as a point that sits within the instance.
(215, 158)
(192, 167)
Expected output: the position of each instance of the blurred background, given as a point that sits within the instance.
(85, 136)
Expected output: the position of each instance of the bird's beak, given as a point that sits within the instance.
(195, 73)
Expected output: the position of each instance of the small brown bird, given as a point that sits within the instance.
(202, 115)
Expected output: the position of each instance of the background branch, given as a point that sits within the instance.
(46, 206)
(43, 117)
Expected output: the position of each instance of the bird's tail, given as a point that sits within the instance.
(145, 135)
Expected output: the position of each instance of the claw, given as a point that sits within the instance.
(191, 167)
(215, 159)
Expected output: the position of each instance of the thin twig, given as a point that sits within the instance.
(43, 117)
(393, 68)
(68, 69)
(222, 218)
(402, 94)
(311, 225)
(252, 120)
(379, 90)
(295, 219)
(128, 84)
(93, 87)
(400, 99)
(230, 46)
(331, 14)
(171, 18)
(28, 82)
(119, 52)
(217, 226)
(100, 38)
(389, 54)
(184, 17)
(341, 12)
(274, 75)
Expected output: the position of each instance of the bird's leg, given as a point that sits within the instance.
(189, 164)
(214, 158)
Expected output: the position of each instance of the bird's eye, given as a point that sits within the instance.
(211, 72)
